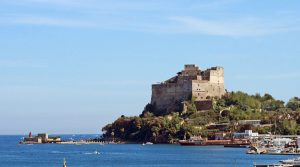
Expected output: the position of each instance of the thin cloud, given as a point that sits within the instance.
(242, 27)
(49, 21)
(18, 64)
(136, 17)
(281, 76)
(57, 3)
(234, 28)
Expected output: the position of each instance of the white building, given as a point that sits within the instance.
(246, 134)
(249, 122)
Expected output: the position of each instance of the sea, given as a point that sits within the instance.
(13, 154)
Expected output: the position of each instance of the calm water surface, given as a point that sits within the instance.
(124, 155)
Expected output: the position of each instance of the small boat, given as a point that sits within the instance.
(295, 161)
(96, 152)
(193, 141)
(274, 150)
(256, 150)
(65, 163)
(147, 143)
(271, 165)
(237, 145)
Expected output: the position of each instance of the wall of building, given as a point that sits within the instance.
(203, 90)
(164, 95)
(211, 84)
(200, 89)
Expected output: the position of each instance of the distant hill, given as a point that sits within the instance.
(279, 118)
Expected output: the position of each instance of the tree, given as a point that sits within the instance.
(272, 105)
(287, 127)
(293, 103)
(267, 97)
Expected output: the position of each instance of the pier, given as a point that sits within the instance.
(276, 165)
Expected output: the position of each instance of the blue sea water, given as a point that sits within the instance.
(13, 154)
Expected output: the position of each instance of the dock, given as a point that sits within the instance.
(81, 142)
(275, 165)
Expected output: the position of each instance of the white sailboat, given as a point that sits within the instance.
(65, 163)
(96, 152)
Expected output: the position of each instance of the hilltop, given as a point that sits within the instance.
(195, 102)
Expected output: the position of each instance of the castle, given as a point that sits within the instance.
(190, 82)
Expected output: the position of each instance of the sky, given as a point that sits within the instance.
(73, 66)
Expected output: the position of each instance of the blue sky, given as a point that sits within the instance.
(72, 66)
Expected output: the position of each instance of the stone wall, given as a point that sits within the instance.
(168, 94)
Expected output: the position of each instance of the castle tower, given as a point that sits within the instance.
(191, 81)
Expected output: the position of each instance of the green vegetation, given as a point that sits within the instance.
(275, 116)
(163, 129)
(294, 103)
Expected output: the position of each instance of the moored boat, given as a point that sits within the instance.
(147, 143)
(193, 141)
(237, 145)
(295, 161)
(225, 143)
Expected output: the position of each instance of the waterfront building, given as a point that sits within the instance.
(41, 138)
(220, 135)
(248, 134)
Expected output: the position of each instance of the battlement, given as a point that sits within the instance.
(191, 81)
(191, 67)
(192, 72)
